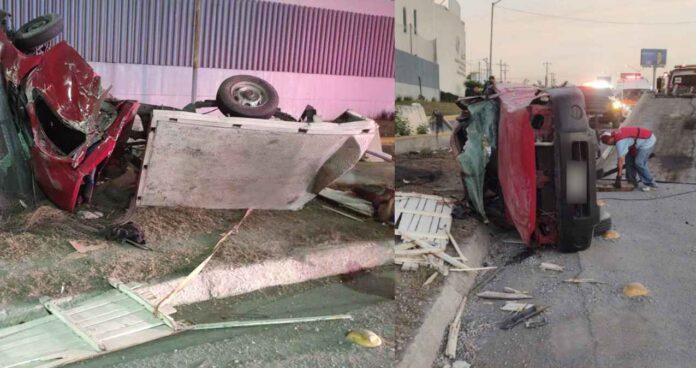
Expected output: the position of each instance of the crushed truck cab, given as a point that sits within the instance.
(542, 171)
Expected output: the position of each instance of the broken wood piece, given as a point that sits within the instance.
(515, 307)
(583, 281)
(348, 201)
(438, 264)
(89, 215)
(411, 252)
(453, 335)
(420, 260)
(82, 248)
(409, 266)
(446, 257)
(519, 317)
(267, 322)
(513, 291)
(547, 266)
(430, 279)
(472, 269)
(343, 213)
(456, 247)
(502, 296)
(404, 246)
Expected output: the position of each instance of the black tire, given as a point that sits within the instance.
(247, 96)
(38, 31)
(604, 223)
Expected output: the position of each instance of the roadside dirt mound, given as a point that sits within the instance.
(673, 120)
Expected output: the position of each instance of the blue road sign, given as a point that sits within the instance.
(653, 57)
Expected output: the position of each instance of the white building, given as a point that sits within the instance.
(430, 54)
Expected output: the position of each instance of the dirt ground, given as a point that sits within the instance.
(36, 258)
(431, 173)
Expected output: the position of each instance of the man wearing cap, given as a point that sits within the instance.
(637, 139)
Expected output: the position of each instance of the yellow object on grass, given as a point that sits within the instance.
(364, 338)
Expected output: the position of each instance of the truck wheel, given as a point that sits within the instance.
(247, 96)
(38, 31)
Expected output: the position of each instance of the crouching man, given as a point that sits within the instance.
(639, 140)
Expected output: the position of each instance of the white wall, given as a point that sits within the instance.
(445, 26)
(329, 94)
(410, 90)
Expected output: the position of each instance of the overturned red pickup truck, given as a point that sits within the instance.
(57, 120)
(528, 158)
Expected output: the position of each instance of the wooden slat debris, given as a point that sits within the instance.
(583, 281)
(430, 279)
(348, 201)
(267, 322)
(343, 213)
(453, 335)
(82, 246)
(515, 307)
(502, 296)
(423, 224)
(547, 266)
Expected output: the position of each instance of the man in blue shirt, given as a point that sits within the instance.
(642, 140)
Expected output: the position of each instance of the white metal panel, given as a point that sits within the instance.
(195, 160)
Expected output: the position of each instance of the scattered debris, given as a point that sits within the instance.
(536, 324)
(342, 213)
(583, 281)
(503, 296)
(546, 266)
(423, 216)
(364, 338)
(456, 246)
(89, 215)
(84, 248)
(453, 335)
(129, 232)
(511, 290)
(347, 200)
(24, 205)
(635, 289)
(409, 266)
(266, 322)
(461, 364)
(611, 235)
(515, 307)
(430, 279)
(519, 317)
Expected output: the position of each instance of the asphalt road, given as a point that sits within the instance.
(596, 325)
(368, 297)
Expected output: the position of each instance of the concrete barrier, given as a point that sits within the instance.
(418, 143)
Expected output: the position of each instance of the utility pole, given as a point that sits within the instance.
(506, 66)
(546, 76)
(501, 69)
(479, 72)
(490, 49)
(488, 68)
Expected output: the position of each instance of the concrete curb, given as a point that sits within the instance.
(222, 280)
(425, 346)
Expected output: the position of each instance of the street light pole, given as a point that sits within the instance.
(490, 49)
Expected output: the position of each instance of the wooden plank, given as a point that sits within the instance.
(453, 335)
(444, 256)
(456, 247)
(56, 311)
(503, 296)
(268, 322)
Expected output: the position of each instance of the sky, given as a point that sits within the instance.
(578, 51)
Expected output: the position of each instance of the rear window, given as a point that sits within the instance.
(685, 80)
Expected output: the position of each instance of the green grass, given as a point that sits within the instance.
(447, 108)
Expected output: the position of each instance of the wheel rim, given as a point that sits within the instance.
(36, 24)
(249, 94)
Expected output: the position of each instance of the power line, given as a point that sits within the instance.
(598, 20)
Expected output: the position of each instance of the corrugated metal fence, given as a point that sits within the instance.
(236, 34)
